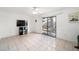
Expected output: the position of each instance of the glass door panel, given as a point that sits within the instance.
(44, 26)
(49, 26)
(52, 26)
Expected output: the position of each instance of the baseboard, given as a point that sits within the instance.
(8, 37)
(66, 40)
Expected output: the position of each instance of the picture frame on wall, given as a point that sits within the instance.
(74, 16)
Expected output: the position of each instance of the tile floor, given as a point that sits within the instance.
(35, 42)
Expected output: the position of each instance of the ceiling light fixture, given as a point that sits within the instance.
(36, 10)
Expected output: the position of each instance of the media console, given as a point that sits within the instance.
(22, 30)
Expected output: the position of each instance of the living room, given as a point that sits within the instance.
(66, 30)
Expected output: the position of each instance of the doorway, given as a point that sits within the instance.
(49, 26)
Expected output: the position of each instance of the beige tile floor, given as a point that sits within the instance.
(35, 42)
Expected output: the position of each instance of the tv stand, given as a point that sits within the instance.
(22, 30)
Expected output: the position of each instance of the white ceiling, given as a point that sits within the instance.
(29, 10)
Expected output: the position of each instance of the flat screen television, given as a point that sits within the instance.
(20, 22)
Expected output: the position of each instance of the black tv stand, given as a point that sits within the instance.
(22, 30)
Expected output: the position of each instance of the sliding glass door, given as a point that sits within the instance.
(49, 26)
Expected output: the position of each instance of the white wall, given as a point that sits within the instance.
(36, 26)
(31, 24)
(66, 30)
(8, 23)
